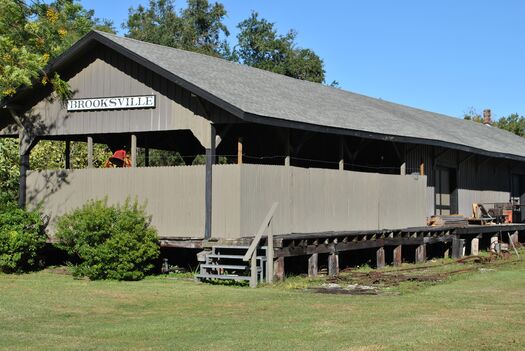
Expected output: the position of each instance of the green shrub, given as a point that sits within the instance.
(21, 238)
(110, 242)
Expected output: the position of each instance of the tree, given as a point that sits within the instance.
(259, 45)
(33, 34)
(198, 27)
(514, 123)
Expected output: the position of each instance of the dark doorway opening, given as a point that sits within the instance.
(446, 191)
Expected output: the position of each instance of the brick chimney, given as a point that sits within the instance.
(487, 117)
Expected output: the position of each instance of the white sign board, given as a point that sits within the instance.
(111, 103)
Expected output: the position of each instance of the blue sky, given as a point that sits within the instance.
(444, 56)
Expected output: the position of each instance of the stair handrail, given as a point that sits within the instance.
(260, 232)
(251, 254)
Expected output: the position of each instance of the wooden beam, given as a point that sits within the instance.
(90, 152)
(422, 168)
(313, 265)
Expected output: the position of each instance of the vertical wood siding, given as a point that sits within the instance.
(310, 200)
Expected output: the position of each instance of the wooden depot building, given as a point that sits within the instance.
(322, 170)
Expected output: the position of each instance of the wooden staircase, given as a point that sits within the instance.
(229, 262)
(225, 262)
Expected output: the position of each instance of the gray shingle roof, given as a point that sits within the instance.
(273, 96)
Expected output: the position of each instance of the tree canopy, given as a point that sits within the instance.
(259, 45)
(33, 33)
(198, 27)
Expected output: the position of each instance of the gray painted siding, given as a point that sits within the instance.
(113, 75)
(479, 179)
(174, 196)
(309, 199)
(313, 200)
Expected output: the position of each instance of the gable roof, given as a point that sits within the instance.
(264, 97)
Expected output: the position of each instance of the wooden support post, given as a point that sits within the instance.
(457, 247)
(24, 167)
(313, 265)
(403, 169)
(210, 161)
(380, 257)
(422, 168)
(90, 152)
(133, 150)
(493, 242)
(67, 155)
(288, 149)
(514, 238)
(253, 270)
(333, 264)
(146, 157)
(269, 255)
(398, 255)
(421, 253)
(341, 153)
(474, 247)
(446, 250)
(239, 151)
(279, 269)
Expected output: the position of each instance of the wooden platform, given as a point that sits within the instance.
(453, 241)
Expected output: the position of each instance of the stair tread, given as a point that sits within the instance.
(224, 266)
(221, 276)
(232, 256)
(238, 247)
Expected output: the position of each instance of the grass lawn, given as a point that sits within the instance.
(471, 311)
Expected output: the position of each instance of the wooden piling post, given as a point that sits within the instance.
(380, 257)
(493, 242)
(333, 264)
(398, 255)
(253, 270)
(457, 247)
(514, 238)
(269, 256)
(278, 269)
(474, 247)
(421, 253)
(313, 265)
